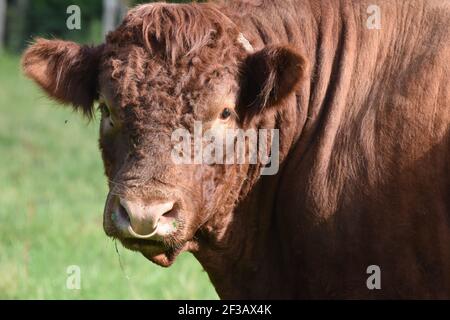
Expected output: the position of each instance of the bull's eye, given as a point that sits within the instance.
(226, 113)
(106, 113)
(104, 110)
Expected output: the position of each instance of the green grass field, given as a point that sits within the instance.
(52, 191)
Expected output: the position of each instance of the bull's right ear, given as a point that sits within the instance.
(66, 71)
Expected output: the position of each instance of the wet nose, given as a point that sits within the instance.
(143, 221)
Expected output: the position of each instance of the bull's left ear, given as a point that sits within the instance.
(269, 76)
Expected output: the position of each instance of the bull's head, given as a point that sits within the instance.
(166, 68)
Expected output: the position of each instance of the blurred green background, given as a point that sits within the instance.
(52, 187)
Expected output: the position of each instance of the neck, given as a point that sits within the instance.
(242, 253)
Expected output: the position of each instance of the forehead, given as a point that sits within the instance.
(132, 77)
(172, 56)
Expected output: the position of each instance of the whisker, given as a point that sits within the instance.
(120, 261)
(115, 183)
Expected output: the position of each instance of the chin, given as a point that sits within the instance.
(156, 252)
(164, 259)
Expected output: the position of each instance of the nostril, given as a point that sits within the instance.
(172, 213)
(120, 215)
(123, 214)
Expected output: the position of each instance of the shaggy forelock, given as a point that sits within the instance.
(170, 56)
(174, 31)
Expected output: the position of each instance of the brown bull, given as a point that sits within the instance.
(360, 94)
